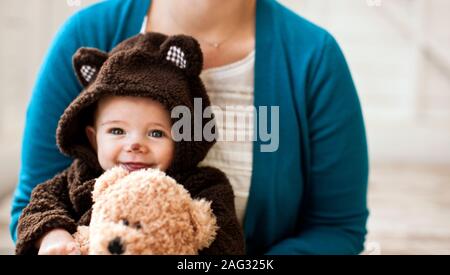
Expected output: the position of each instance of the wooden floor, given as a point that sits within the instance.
(6, 245)
(409, 211)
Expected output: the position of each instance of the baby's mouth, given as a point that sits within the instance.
(133, 166)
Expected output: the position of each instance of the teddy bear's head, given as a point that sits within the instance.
(147, 212)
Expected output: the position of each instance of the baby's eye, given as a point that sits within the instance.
(125, 222)
(116, 131)
(156, 133)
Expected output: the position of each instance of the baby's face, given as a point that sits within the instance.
(134, 132)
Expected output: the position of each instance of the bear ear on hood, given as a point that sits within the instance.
(87, 63)
(183, 51)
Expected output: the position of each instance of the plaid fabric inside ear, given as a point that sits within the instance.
(176, 55)
(87, 72)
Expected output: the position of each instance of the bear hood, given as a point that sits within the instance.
(164, 68)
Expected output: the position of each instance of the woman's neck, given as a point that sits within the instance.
(225, 29)
(207, 19)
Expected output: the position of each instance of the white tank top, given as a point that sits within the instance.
(232, 85)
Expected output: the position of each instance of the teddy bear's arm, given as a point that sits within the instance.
(82, 238)
(49, 208)
(213, 185)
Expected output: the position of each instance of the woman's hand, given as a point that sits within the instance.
(58, 242)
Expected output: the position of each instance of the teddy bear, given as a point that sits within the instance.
(145, 212)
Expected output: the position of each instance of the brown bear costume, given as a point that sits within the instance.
(165, 69)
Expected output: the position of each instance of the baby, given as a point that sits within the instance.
(122, 118)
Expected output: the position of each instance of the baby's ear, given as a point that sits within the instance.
(87, 63)
(183, 51)
(205, 224)
(107, 179)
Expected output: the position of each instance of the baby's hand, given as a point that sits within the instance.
(58, 242)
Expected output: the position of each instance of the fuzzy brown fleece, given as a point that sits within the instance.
(136, 67)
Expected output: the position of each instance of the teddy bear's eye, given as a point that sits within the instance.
(125, 222)
(138, 225)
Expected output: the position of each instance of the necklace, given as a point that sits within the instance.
(215, 45)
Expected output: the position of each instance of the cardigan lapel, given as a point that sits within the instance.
(263, 163)
(277, 184)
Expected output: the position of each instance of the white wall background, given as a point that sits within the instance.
(398, 53)
(27, 28)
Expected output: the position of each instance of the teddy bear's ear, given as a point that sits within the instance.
(107, 179)
(184, 52)
(205, 224)
(87, 63)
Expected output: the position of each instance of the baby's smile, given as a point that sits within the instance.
(133, 166)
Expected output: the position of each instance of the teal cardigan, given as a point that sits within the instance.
(309, 196)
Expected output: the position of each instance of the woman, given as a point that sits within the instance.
(308, 195)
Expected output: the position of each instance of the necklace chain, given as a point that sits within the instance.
(215, 45)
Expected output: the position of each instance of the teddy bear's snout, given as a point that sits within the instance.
(116, 246)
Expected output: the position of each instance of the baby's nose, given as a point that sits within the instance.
(115, 246)
(137, 147)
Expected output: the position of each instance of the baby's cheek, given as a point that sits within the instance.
(108, 155)
(165, 154)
